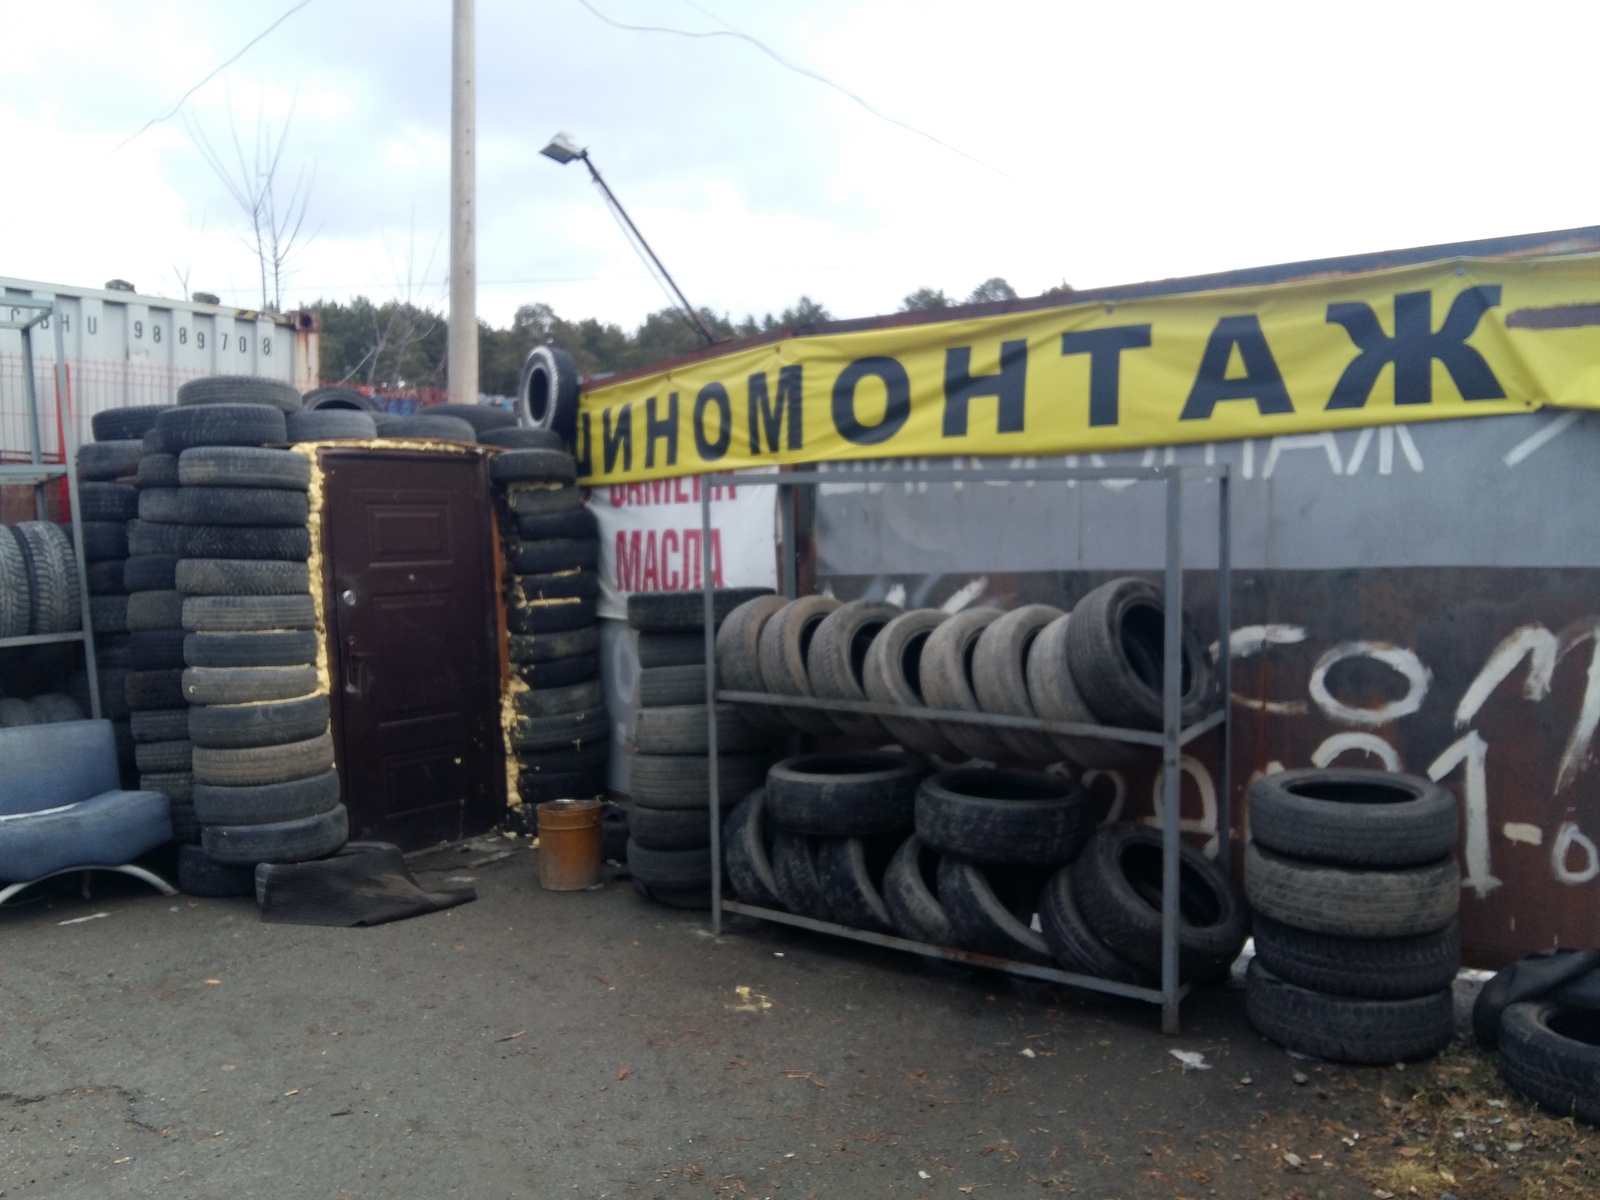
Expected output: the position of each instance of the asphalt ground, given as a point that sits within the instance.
(593, 1044)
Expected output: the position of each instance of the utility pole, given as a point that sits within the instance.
(462, 363)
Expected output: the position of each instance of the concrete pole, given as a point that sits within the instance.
(463, 349)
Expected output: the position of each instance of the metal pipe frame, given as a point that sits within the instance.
(1171, 740)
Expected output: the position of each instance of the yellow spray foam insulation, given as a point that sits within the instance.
(508, 723)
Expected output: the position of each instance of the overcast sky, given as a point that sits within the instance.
(1093, 143)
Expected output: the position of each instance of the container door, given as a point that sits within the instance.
(412, 644)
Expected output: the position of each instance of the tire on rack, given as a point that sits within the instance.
(240, 389)
(266, 803)
(212, 577)
(246, 766)
(1342, 1029)
(1114, 643)
(558, 554)
(684, 781)
(746, 850)
(330, 425)
(555, 585)
(243, 467)
(243, 614)
(51, 708)
(239, 726)
(892, 675)
(947, 680)
(664, 687)
(1117, 884)
(1055, 697)
(102, 462)
(672, 650)
(850, 872)
(108, 502)
(1000, 816)
(669, 868)
(575, 523)
(1000, 677)
(549, 702)
(220, 425)
(337, 399)
(1352, 817)
(1551, 1054)
(837, 657)
(201, 875)
(910, 893)
(670, 828)
(1349, 901)
(533, 466)
(548, 647)
(16, 596)
(852, 794)
(991, 909)
(281, 841)
(738, 651)
(125, 424)
(15, 713)
(247, 685)
(794, 870)
(686, 729)
(1074, 944)
(785, 642)
(52, 574)
(1362, 968)
(551, 616)
(277, 648)
(518, 438)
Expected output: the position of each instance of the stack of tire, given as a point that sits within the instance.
(449, 423)
(256, 726)
(39, 594)
(1355, 886)
(561, 736)
(669, 823)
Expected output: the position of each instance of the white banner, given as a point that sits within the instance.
(650, 539)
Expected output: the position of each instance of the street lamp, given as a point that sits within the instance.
(563, 149)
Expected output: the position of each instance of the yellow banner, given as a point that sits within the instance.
(1460, 338)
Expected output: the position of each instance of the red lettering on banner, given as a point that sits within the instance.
(650, 580)
(668, 562)
(666, 491)
(670, 579)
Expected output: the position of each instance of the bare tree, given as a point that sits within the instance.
(276, 221)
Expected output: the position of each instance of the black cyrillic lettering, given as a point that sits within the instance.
(713, 393)
(1009, 387)
(585, 463)
(765, 416)
(663, 430)
(1261, 381)
(618, 442)
(1413, 348)
(896, 409)
(1104, 348)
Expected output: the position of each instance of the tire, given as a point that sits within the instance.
(548, 647)
(50, 708)
(189, 505)
(832, 794)
(785, 642)
(150, 573)
(154, 610)
(1362, 968)
(482, 417)
(114, 693)
(425, 428)
(947, 681)
(153, 689)
(244, 467)
(1114, 645)
(561, 785)
(665, 687)
(1117, 884)
(241, 726)
(517, 438)
(670, 828)
(16, 598)
(1347, 902)
(738, 651)
(110, 649)
(1055, 697)
(613, 832)
(560, 672)
(105, 578)
(566, 731)
(242, 614)
(1073, 944)
(746, 852)
(1342, 1029)
(102, 462)
(1023, 818)
(15, 713)
(683, 781)
(536, 499)
(247, 766)
(158, 470)
(163, 757)
(683, 612)
(685, 729)
(577, 523)
(247, 685)
(533, 466)
(850, 873)
(240, 389)
(160, 725)
(201, 875)
(155, 650)
(910, 894)
(549, 702)
(267, 803)
(282, 543)
(220, 425)
(125, 424)
(551, 616)
(1353, 817)
(837, 656)
(672, 650)
(337, 399)
(102, 540)
(288, 648)
(242, 577)
(331, 425)
(280, 842)
(669, 868)
(152, 538)
(107, 614)
(174, 785)
(1551, 1054)
(547, 392)
(52, 574)
(557, 585)
(559, 554)
(535, 763)
(794, 870)
(991, 909)
(1000, 677)
(108, 502)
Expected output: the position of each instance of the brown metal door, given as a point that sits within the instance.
(412, 643)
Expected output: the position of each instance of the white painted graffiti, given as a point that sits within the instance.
(1403, 662)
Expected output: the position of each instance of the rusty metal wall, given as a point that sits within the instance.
(1429, 602)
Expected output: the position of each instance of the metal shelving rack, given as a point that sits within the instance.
(37, 473)
(1171, 740)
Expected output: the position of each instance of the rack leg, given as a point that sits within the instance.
(709, 613)
(1172, 775)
